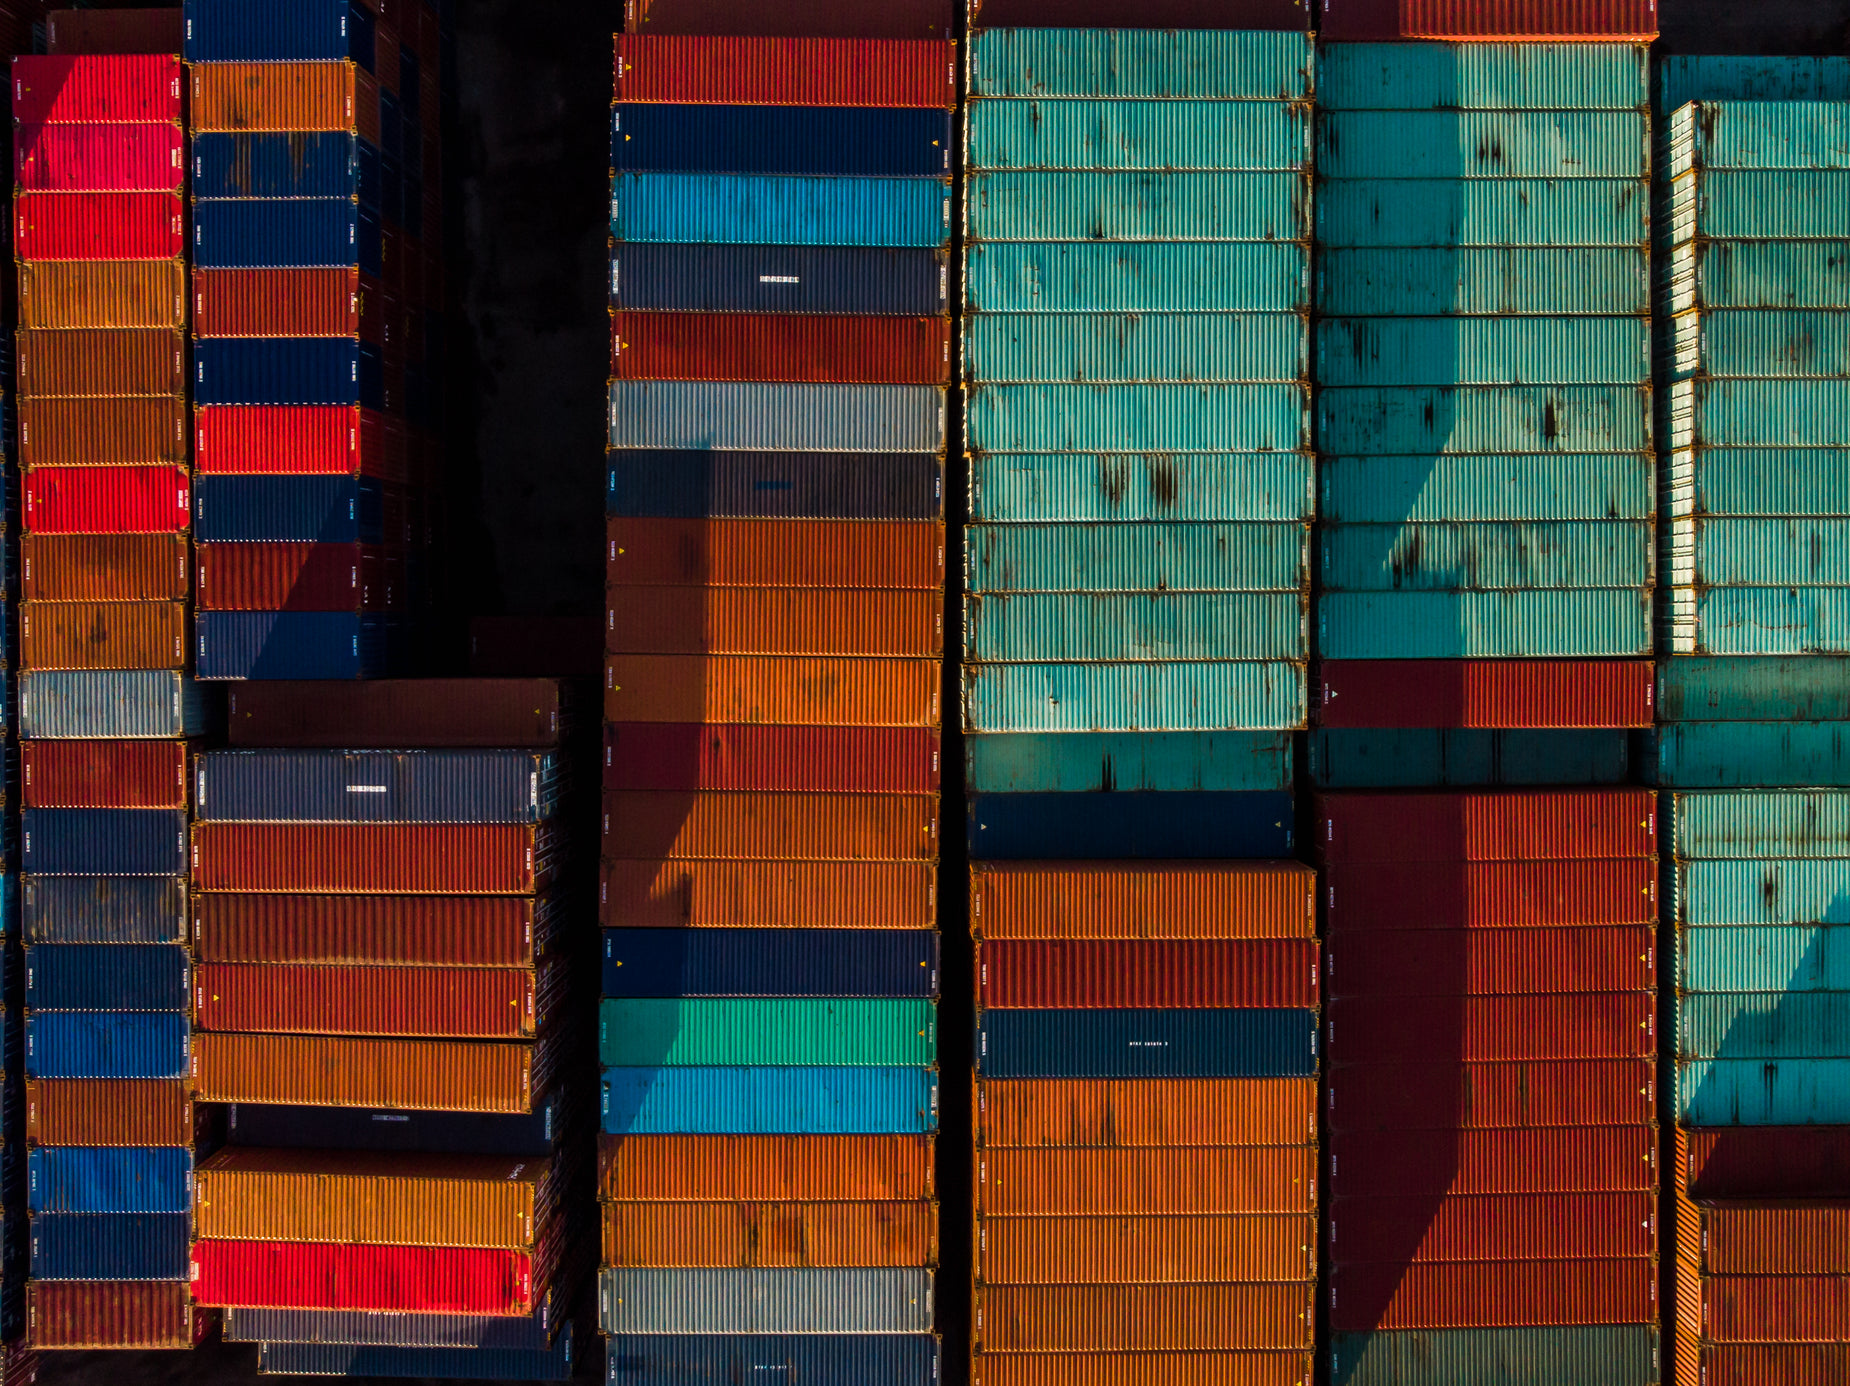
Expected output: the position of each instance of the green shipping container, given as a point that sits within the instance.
(1110, 627)
(1140, 277)
(1138, 418)
(1154, 557)
(1483, 144)
(1212, 64)
(1489, 556)
(1128, 347)
(1483, 76)
(1592, 623)
(1020, 488)
(1031, 205)
(1484, 351)
(1221, 695)
(1388, 490)
(767, 1032)
(1483, 212)
(1106, 762)
(1083, 134)
(1482, 280)
(1762, 823)
(1484, 419)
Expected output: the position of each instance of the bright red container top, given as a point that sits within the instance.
(1550, 825)
(99, 158)
(1167, 973)
(322, 440)
(786, 71)
(1489, 693)
(1488, 895)
(1493, 962)
(1493, 1294)
(1447, 1094)
(1542, 20)
(103, 774)
(1602, 1025)
(821, 760)
(311, 1275)
(107, 500)
(99, 226)
(1562, 1159)
(89, 88)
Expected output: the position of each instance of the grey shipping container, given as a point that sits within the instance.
(115, 704)
(754, 1300)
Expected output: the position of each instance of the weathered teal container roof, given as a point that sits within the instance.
(1505, 280)
(1161, 556)
(1756, 274)
(1483, 144)
(1389, 490)
(1761, 823)
(1215, 64)
(1750, 205)
(1790, 551)
(1036, 205)
(1499, 212)
(1683, 78)
(1767, 621)
(1768, 891)
(1214, 695)
(1484, 351)
(1757, 135)
(1465, 757)
(1108, 627)
(1089, 134)
(1798, 691)
(1747, 343)
(1130, 347)
(1145, 277)
(1762, 1092)
(1138, 418)
(1598, 623)
(1757, 413)
(1765, 958)
(1019, 488)
(1737, 754)
(1487, 556)
(1406, 420)
(1483, 76)
(1757, 481)
(1764, 1025)
(1149, 762)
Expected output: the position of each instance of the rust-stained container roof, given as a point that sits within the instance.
(103, 635)
(484, 931)
(441, 1002)
(778, 827)
(1790, 1364)
(1292, 15)
(1204, 1248)
(792, 691)
(79, 362)
(1159, 1112)
(108, 1111)
(1492, 1294)
(1521, 826)
(392, 714)
(104, 567)
(1189, 1179)
(655, 894)
(1488, 895)
(736, 71)
(1494, 693)
(820, 760)
(1494, 1227)
(102, 432)
(830, 554)
(390, 858)
(325, 302)
(1776, 1238)
(864, 1233)
(772, 621)
(770, 1169)
(324, 1071)
(1113, 973)
(1446, 1095)
(246, 97)
(1126, 1318)
(103, 774)
(102, 293)
(1143, 899)
(63, 1315)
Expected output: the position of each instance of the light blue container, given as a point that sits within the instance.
(1758, 135)
(1030, 205)
(1753, 690)
(1019, 488)
(1761, 481)
(1597, 623)
(744, 209)
(1746, 205)
(1764, 1025)
(1726, 755)
(1485, 556)
(1137, 558)
(1217, 64)
(1387, 490)
(1484, 351)
(1197, 277)
(1225, 695)
(1759, 1092)
(1773, 552)
(1115, 626)
(1484, 419)
(1748, 959)
(1740, 77)
(1483, 76)
(697, 415)
(1103, 762)
(1078, 134)
(1756, 274)
(1796, 343)
(770, 1101)
(1762, 823)
(1126, 347)
(1758, 413)
(1135, 418)
(1483, 212)
(1762, 892)
(1428, 758)
(1483, 144)
(1421, 282)
(1773, 621)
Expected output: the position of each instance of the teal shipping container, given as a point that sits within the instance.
(789, 417)
(1764, 1092)
(1465, 758)
(735, 209)
(1020, 488)
(1483, 76)
(770, 1101)
(1483, 212)
(1221, 695)
(1483, 144)
(1787, 343)
(1108, 627)
(1107, 762)
(1143, 277)
(1203, 64)
(1756, 205)
(1485, 419)
(1745, 958)
(1598, 1356)
(1127, 347)
(1040, 205)
(1741, 77)
(1755, 274)
(1753, 690)
(1155, 557)
(1755, 481)
(1765, 621)
(1438, 280)
(1762, 892)
(1135, 418)
(1764, 1025)
(1592, 623)
(1389, 490)
(1490, 556)
(1760, 135)
(1483, 351)
(1087, 134)
(1748, 824)
(1727, 755)
(1789, 552)
(778, 1032)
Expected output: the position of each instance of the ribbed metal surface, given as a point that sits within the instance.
(473, 1002)
(1754, 274)
(1414, 758)
(112, 704)
(1150, 277)
(1615, 1356)
(1109, 627)
(716, 278)
(1415, 490)
(1763, 621)
(1756, 135)
(775, 485)
(786, 71)
(77, 1044)
(765, 1301)
(1017, 488)
(1752, 481)
(827, 1359)
(1499, 212)
(1150, 557)
(1751, 690)
(1138, 418)
(767, 1032)
(1220, 1043)
(1171, 1317)
(1490, 556)
(1590, 623)
(303, 1326)
(473, 1363)
(808, 962)
(1483, 76)
(1083, 762)
(771, 826)
(1070, 974)
(1756, 205)
(749, 1169)
(1763, 1092)
(694, 208)
(125, 977)
(100, 1180)
(689, 620)
(1751, 824)
(1128, 134)
(1484, 280)
(1080, 347)
(1763, 1025)
(845, 418)
(103, 909)
(884, 141)
(319, 1071)
(1140, 827)
(388, 858)
(1134, 697)
(1129, 63)
(1801, 343)
(109, 1246)
(1761, 892)
(1489, 419)
(1743, 77)
(1037, 205)
(769, 1101)
(1483, 144)
(1483, 351)
(349, 786)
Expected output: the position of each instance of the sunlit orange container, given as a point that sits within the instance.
(1138, 899)
(276, 302)
(102, 293)
(65, 1315)
(833, 554)
(1776, 1308)
(1213, 1179)
(1161, 1112)
(240, 97)
(108, 1111)
(1789, 1364)
(439, 1002)
(102, 432)
(1207, 1248)
(100, 361)
(103, 774)
(1132, 1318)
(773, 621)
(776, 827)
(1252, 1367)
(324, 1071)
(770, 1234)
(768, 1169)
(655, 894)
(795, 691)
(102, 635)
(104, 567)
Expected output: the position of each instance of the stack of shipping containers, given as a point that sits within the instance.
(780, 350)
(99, 232)
(1140, 483)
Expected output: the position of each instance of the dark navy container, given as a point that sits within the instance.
(103, 842)
(90, 1179)
(292, 645)
(871, 141)
(775, 485)
(446, 1364)
(318, 163)
(110, 1246)
(103, 909)
(106, 1044)
(288, 233)
(770, 962)
(778, 279)
(359, 1128)
(278, 509)
(794, 1359)
(533, 1332)
(1402, 758)
(301, 31)
(1246, 1043)
(288, 370)
(114, 977)
(375, 786)
(1255, 824)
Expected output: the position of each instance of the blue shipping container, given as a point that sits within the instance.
(311, 786)
(1764, 1025)
(286, 233)
(116, 977)
(775, 485)
(533, 1332)
(1007, 827)
(869, 141)
(770, 962)
(813, 1359)
(293, 645)
(104, 842)
(86, 1179)
(304, 31)
(288, 370)
(719, 209)
(778, 279)
(103, 909)
(90, 1044)
(770, 1101)
(110, 1246)
(442, 1363)
(278, 509)
(318, 163)
(1245, 1043)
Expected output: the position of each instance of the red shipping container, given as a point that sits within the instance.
(1776, 1308)
(107, 500)
(786, 71)
(892, 19)
(1549, 825)
(1493, 962)
(1594, 1159)
(1543, 20)
(1486, 693)
(430, 1002)
(820, 760)
(292, 577)
(96, 88)
(780, 346)
(148, 157)
(1789, 1364)
(1115, 973)
(99, 226)
(103, 774)
(1377, 1029)
(1493, 1227)
(1492, 1294)
(1289, 15)
(487, 931)
(298, 440)
(1443, 1095)
(1769, 1162)
(278, 303)
(390, 858)
(1489, 895)
(315, 1275)
(1811, 1238)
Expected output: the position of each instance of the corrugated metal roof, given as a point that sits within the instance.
(1150, 557)
(1484, 351)
(1754, 274)
(1076, 347)
(1762, 823)
(1757, 135)
(1019, 488)
(1415, 281)
(1151, 277)
(774, 1300)
(1421, 420)
(770, 1101)
(1621, 1356)
(1109, 627)
(1226, 65)
(1773, 959)
(1763, 1092)
(1217, 696)
(1765, 621)
(770, 1031)
(1785, 342)
(1767, 891)
(1137, 134)
(1035, 205)
(1752, 690)
(1781, 552)
(1391, 490)
(111, 703)
(1683, 78)
(1483, 144)
(1080, 762)
(1501, 212)
(1424, 757)
(1138, 418)
(795, 417)
(1483, 76)
(1711, 755)
(745, 209)
(1486, 556)
(1591, 623)
(1738, 204)
(1779, 1024)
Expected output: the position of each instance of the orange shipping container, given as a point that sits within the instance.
(250, 97)
(1163, 1112)
(1763, 1364)
(1030, 899)
(770, 826)
(320, 1071)
(768, 1169)
(1198, 1179)
(372, 1198)
(63, 1315)
(1254, 1367)
(276, 303)
(102, 635)
(1776, 1308)
(804, 692)
(1776, 1238)
(654, 894)
(770, 1234)
(1224, 1248)
(773, 621)
(102, 293)
(832, 554)
(108, 1111)
(1129, 1318)
(102, 432)
(104, 567)
(100, 361)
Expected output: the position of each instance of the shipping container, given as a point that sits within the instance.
(301, 509)
(535, 1332)
(126, 435)
(310, 1275)
(1171, 974)
(103, 842)
(389, 858)
(113, 32)
(377, 930)
(307, 371)
(99, 226)
(122, 499)
(1448, 1095)
(67, 1315)
(103, 635)
(249, 97)
(104, 704)
(1497, 1227)
(764, 962)
(142, 157)
(1205, 825)
(1135, 696)
(92, 89)
(390, 714)
(794, 691)
(828, 1359)
(1367, 758)
(553, 1363)
(767, 1032)
(1191, 62)
(797, 553)
(1233, 1366)
(1106, 762)
(1155, 899)
(474, 1002)
(690, 620)
(126, 977)
(769, 1101)
(103, 1180)
(293, 645)
(109, 1246)
(279, 303)
(1765, 1162)
(1597, 1159)
(1551, 21)
(736, 1169)
(120, 774)
(1227, 1043)
(770, 826)
(890, 142)
(683, 893)
(1477, 964)
(349, 786)
(103, 909)
(386, 1074)
(805, 71)
(532, 1133)
(1219, 1249)
(823, 760)
(705, 208)
(288, 233)
(771, 1300)
(299, 440)
(707, 278)
(77, 1044)
(1172, 1113)
(1130, 1318)
(751, 416)
(103, 567)
(747, 346)
(769, 1234)
(298, 577)
(1528, 1356)
(70, 294)
(108, 1112)
(1021, 488)
(911, 19)
(774, 485)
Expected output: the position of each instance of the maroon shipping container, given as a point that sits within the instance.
(403, 930)
(391, 858)
(69, 32)
(99, 226)
(780, 346)
(432, 1002)
(1592, 1159)
(1547, 20)
(1112, 973)
(1492, 1294)
(1293, 15)
(103, 774)
(1776, 1308)
(1388, 1029)
(1443, 1095)
(1769, 1162)
(1789, 1364)
(822, 760)
(890, 19)
(391, 714)
(149, 157)
(1486, 693)
(294, 577)
(1550, 825)
(81, 89)
(1810, 1238)
(107, 500)
(64, 1315)
(1492, 962)
(1489, 895)
(732, 71)
(1493, 1227)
